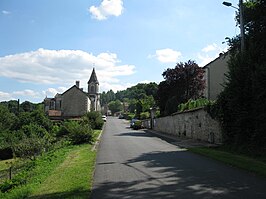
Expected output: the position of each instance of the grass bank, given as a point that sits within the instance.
(72, 178)
(63, 173)
(36, 172)
(240, 161)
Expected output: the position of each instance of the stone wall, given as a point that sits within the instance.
(196, 124)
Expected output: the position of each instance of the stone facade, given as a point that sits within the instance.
(195, 124)
(75, 102)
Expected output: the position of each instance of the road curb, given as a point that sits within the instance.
(98, 139)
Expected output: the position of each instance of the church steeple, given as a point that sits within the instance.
(93, 92)
(93, 83)
(93, 78)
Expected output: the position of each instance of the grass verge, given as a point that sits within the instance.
(72, 178)
(67, 171)
(239, 161)
(43, 166)
(96, 134)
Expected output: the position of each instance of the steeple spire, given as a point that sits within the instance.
(93, 78)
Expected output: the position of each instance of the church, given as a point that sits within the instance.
(74, 102)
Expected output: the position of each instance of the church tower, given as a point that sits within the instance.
(93, 92)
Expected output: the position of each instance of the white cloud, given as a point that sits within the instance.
(209, 53)
(63, 67)
(27, 92)
(115, 87)
(106, 9)
(167, 55)
(51, 92)
(19, 94)
(209, 48)
(5, 96)
(5, 12)
(144, 82)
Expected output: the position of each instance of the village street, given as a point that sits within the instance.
(137, 164)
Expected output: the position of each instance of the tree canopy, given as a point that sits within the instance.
(138, 98)
(181, 83)
(242, 104)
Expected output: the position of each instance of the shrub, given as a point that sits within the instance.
(5, 149)
(17, 180)
(129, 116)
(28, 147)
(158, 114)
(78, 133)
(94, 119)
(144, 115)
(55, 130)
(137, 125)
(30, 140)
(6, 185)
(192, 104)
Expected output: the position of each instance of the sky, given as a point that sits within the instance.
(48, 45)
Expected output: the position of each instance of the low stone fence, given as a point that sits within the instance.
(196, 124)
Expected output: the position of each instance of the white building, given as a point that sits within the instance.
(215, 76)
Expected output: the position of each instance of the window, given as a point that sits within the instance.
(92, 89)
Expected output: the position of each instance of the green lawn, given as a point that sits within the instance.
(72, 178)
(64, 173)
(241, 161)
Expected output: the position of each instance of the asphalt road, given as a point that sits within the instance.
(139, 165)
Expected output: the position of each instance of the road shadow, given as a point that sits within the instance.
(147, 133)
(136, 133)
(77, 193)
(181, 174)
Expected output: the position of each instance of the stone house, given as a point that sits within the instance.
(74, 102)
(215, 76)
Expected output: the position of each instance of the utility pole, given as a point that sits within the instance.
(241, 22)
(18, 107)
(242, 29)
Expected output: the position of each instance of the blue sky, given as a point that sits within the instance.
(47, 45)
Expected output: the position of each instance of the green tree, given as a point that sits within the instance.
(138, 91)
(132, 105)
(8, 120)
(37, 117)
(242, 104)
(147, 103)
(138, 109)
(13, 106)
(107, 97)
(115, 106)
(181, 83)
(27, 106)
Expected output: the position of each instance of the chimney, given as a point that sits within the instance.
(77, 84)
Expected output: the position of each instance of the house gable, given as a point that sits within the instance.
(75, 102)
(215, 76)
